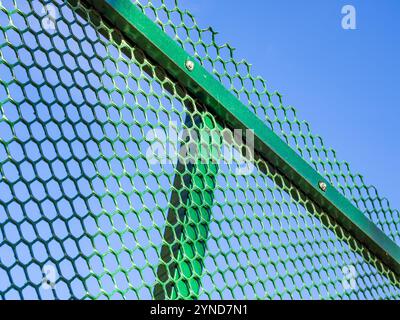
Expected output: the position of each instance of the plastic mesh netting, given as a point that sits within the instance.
(236, 75)
(92, 205)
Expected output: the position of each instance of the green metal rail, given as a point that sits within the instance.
(140, 29)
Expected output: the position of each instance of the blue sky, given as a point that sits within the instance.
(345, 83)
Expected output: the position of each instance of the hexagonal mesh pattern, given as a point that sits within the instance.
(219, 59)
(91, 205)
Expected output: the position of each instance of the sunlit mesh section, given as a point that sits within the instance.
(267, 240)
(91, 207)
(219, 59)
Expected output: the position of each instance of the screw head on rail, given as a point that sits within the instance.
(189, 65)
(323, 186)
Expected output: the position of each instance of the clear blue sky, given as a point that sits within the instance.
(346, 83)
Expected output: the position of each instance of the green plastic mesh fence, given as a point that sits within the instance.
(101, 196)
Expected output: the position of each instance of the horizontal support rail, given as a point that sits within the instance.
(137, 27)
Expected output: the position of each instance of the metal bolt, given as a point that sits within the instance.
(189, 65)
(323, 186)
